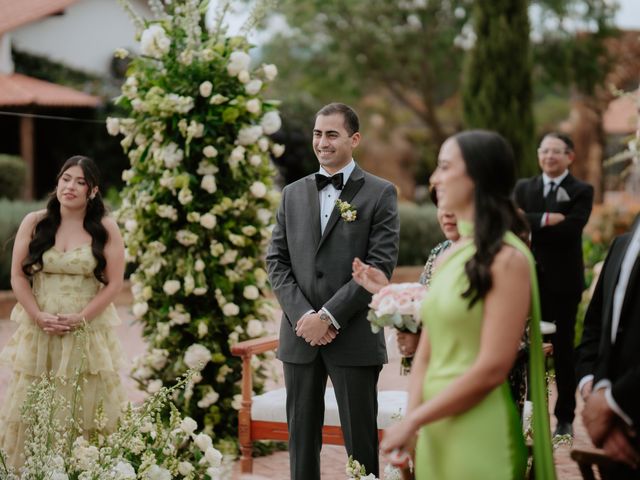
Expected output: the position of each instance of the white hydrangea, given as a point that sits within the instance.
(197, 356)
(170, 155)
(188, 425)
(124, 471)
(213, 457)
(185, 468)
(155, 472)
(271, 122)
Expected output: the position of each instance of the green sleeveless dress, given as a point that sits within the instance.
(486, 441)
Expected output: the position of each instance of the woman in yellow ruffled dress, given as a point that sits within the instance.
(67, 267)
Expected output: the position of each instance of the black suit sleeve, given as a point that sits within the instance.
(574, 222)
(382, 253)
(285, 286)
(520, 192)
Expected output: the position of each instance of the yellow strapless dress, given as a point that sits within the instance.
(64, 285)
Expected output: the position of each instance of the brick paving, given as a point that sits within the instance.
(275, 466)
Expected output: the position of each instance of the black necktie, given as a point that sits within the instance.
(322, 181)
(550, 198)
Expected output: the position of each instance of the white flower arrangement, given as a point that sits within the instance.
(347, 212)
(142, 446)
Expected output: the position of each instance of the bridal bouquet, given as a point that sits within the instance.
(397, 305)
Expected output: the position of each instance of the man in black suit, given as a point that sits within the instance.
(557, 206)
(324, 329)
(608, 358)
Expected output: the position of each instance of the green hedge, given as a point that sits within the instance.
(13, 173)
(11, 214)
(419, 232)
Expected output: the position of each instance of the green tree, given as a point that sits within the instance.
(497, 91)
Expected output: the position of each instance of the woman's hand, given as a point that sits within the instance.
(51, 324)
(72, 320)
(368, 277)
(407, 343)
(398, 442)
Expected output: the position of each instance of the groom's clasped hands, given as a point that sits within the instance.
(314, 330)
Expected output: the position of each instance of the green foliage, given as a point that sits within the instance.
(497, 91)
(13, 173)
(197, 206)
(11, 215)
(419, 233)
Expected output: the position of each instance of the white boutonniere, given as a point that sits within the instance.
(347, 212)
(562, 195)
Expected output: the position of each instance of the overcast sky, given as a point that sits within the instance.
(629, 14)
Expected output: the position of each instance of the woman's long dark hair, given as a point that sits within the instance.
(490, 163)
(44, 235)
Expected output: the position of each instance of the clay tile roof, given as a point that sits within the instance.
(17, 90)
(20, 12)
(621, 116)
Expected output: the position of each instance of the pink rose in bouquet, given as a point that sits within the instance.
(397, 305)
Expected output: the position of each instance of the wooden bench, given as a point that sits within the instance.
(263, 417)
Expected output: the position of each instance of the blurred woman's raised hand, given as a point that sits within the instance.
(368, 277)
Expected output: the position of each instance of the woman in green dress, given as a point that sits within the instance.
(474, 316)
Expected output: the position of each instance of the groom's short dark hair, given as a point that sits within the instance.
(351, 121)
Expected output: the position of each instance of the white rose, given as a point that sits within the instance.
(127, 174)
(199, 265)
(158, 473)
(231, 309)
(251, 292)
(253, 87)
(271, 122)
(277, 150)
(154, 386)
(254, 327)
(236, 403)
(255, 160)
(213, 456)
(237, 155)
(197, 356)
(264, 216)
(270, 71)
(208, 221)
(203, 441)
(157, 358)
(263, 144)
(189, 284)
(258, 189)
(244, 77)
(171, 286)
(249, 135)
(206, 168)
(185, 468)
(113, 126)
(139, 309)
(238, 61)
(154, 41)
(206, 88)
(188, 425)
(210, 151)
(208, 183)
(253, 105)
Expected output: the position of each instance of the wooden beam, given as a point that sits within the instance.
(27, 152)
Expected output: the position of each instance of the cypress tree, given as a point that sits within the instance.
(497, 86)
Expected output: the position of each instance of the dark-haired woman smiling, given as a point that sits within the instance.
(67, 267)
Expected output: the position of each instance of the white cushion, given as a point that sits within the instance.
(271, 407)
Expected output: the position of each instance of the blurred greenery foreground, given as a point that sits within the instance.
(143, 445)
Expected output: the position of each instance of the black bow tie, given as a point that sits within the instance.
(322, 181)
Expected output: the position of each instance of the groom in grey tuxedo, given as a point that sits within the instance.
(324, 331)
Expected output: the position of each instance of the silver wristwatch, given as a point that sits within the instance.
(324, 316)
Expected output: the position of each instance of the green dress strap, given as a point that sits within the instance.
(544, 467)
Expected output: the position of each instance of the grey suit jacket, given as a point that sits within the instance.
(309, 271)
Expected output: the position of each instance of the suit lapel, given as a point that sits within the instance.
(353, 185)
(313, 201)
(612, 281)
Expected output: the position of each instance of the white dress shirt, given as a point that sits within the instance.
(546, 181)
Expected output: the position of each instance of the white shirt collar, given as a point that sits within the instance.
(346, 171)
(557, 180)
